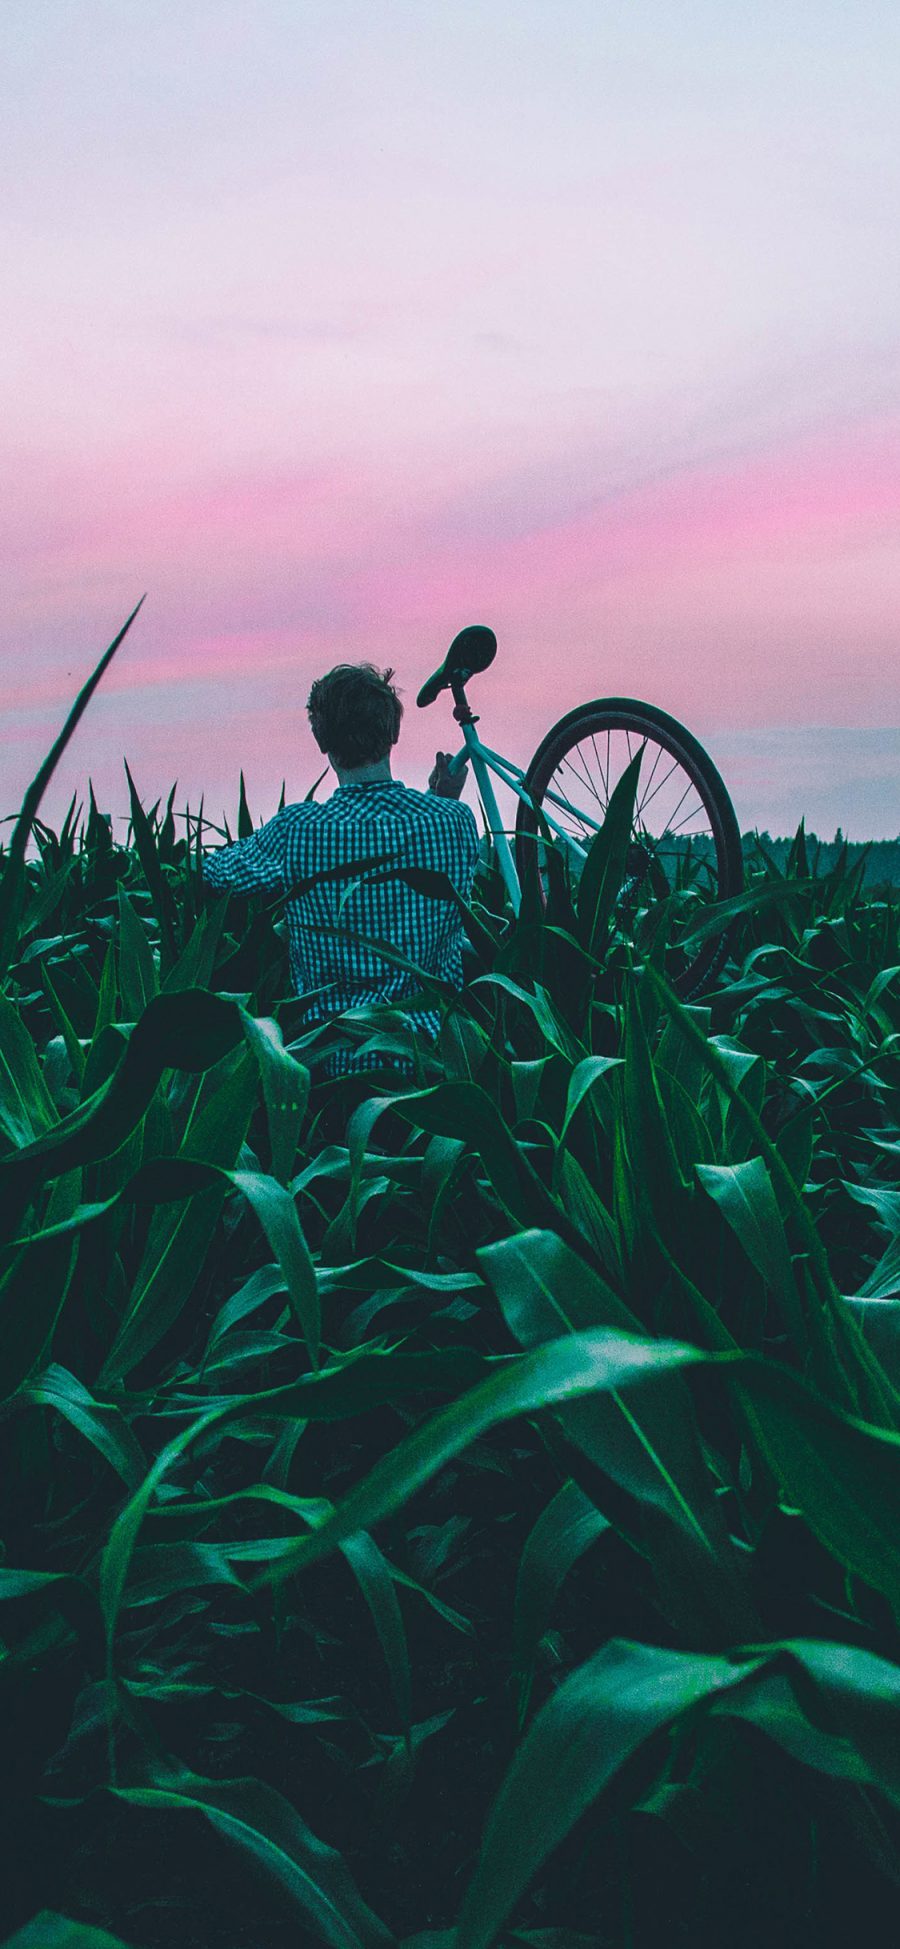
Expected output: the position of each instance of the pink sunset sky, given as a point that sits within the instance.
(335, 325)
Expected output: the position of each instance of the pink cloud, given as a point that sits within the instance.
(714, 590)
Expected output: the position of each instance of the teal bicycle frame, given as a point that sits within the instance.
(483, 762)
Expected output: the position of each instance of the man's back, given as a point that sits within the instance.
(384, 821)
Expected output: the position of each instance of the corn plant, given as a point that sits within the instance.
(465, 1513)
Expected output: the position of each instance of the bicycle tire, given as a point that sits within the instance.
(720, 854)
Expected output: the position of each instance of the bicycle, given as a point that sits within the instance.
(685, 844)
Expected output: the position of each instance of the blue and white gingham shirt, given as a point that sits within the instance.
(386, 821)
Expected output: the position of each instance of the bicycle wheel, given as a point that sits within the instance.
(686, 847)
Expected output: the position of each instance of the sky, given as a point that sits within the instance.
(336, 325)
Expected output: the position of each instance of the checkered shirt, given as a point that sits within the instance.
(384, 821)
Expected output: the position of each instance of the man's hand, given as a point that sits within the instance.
(445, 783)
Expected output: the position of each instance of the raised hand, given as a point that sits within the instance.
(445, 783)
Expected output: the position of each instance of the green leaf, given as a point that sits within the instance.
(277, 1214)
(539, 1006)
(744, 1195)
(35, 1286)
(50, 1930)
(832, 1707)
(845, 1719)
(285, 1088)
(192, 1031)
(843, 1474)
(373, 1574)
(115, 1561)
(12, 881)
(583, 1077)
(604, 868)
(105, 1016)
(691, 1139)
(272, 1834)
(584, 1363)
(884, 1281)
(648, 1446)
(183, 1563)
(159, 1570)
(647, 1135)
(563, 1531)
(590, 1726)
(177, 1242)
(245, 821)
(465, 1110)
(526, 1078)
(138, 978)
(27, 1109)
(48, 1596)
(744, 1068)
(842, 1353)
(308, 796)
(545, 1288)
(262, 1286)
(883, 1199)
(439, 886)
(195, 965)
(755, 900)
(880, 1322)
(148, 854)
(74, 1049)
(101, 1423)
(594, 1224)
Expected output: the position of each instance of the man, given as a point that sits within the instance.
(377, 824)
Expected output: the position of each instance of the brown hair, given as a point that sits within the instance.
(354, 714)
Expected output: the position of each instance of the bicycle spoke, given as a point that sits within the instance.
(586, 823)
(603, 775)
(681, 852)
(555, 794)
(669, 825)
(674, 766)
(573, 809)
(640, 806)
(593, 792)
(681, 822)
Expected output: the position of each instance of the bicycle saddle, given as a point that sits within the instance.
(473, 649)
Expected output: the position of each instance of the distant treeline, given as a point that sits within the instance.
(882, 866)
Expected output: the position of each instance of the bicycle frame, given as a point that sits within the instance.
(484, 761)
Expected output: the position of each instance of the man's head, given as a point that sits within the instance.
(354, 714)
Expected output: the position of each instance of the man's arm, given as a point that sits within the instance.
(253, 865)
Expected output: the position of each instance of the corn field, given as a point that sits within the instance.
(469, 1513)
